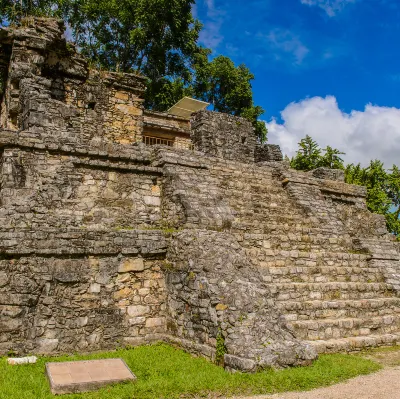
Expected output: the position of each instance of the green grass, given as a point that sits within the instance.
(169, 373)
(381, 350)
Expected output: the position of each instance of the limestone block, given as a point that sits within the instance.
(122, 96)
(137, 320)
(155, 322)
(124, 293)
(9, 325)
(238, 363)
(47, 345)
(131, 265)
(129, 109)
(138, 310)
(152, 200)
(3, 279)
(94, 288)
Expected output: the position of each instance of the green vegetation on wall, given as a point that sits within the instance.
(383, 185)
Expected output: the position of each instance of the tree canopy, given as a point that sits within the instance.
(156, 38)
(310, 156)
(228, 88)
(383, 190)
(14, 10)
(383, 186)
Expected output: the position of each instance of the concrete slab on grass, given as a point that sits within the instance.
(86, 375)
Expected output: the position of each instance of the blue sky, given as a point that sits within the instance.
(338, 57)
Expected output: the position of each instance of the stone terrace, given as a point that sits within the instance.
(105, 241)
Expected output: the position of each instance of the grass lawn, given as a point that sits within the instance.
(169, 373)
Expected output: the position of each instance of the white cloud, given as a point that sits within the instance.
(284, 41)
(363, 135)
(211, 35)
(331, 7)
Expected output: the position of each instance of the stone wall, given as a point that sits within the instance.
(106, 242)
(61, 303)
(80, 253)
(268, 153)
(213, 288)
(328, 174)
(211, 135)
(269, 245)
(52, 91)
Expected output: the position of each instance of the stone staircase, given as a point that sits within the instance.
(330, 290)
(329, 295)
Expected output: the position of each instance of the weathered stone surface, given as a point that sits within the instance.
(131, 265)
(329, 174)
(105, 240)
(268, 153)
(211, 134)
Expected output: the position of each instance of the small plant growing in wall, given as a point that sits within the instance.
(220, 349)
(192, 276)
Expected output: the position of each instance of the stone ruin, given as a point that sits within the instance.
(107, 241)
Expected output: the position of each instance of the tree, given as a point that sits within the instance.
(383, 186)
(331, 159)
(383, 190)
(15, 10)
(158, 39)
(228, 88)
(394, 188)
(375, 179)
(308, 156)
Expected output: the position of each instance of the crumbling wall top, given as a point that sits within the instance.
(224, 136)
(328, 174)
(49, 89)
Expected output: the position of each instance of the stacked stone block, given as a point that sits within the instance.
(106, 242)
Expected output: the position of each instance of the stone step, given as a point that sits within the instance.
(312, 310)
(264, 222)
(323, 329)
(281, 240)
(351, 344)
(330, 291)
(256, 226)
(249, 176)
(295, 231)
(333, 256)
(277, 237)
(265, 215)
(322, 274)
(285, 266)
(264, 190)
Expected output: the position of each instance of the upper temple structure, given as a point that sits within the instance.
(123, 226)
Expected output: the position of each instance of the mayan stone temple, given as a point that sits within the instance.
(121, 226)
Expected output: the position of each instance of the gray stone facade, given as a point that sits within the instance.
(106, 242)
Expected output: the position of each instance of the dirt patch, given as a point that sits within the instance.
(388, 357)
(384, 384)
